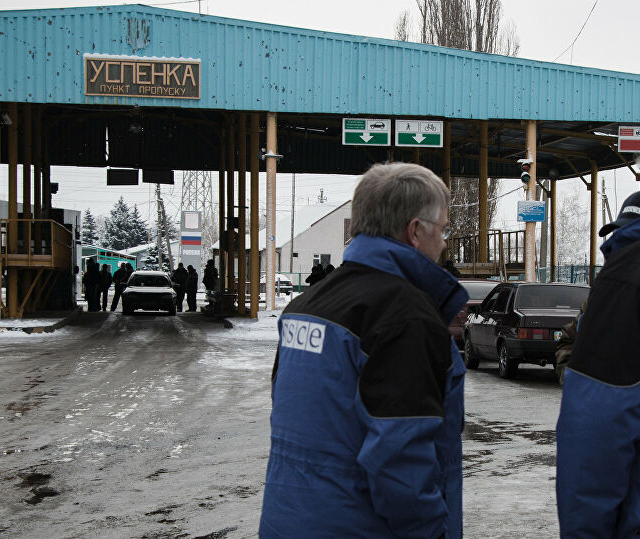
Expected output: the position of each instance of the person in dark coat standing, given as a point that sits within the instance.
(120, 278)
(317, 273)
(105, 284)
(210, 277)
(597, 471)
(179, 278)
(91, 281)
(191, 287)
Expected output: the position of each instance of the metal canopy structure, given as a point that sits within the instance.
(143, 87)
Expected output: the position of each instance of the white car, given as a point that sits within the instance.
(150, 291)
(283, 284)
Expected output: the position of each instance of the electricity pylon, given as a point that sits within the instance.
(197, 195)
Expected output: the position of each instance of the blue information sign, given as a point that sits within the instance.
(531, 211)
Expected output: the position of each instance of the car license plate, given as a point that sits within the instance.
(557, 335)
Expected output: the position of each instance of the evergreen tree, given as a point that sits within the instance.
(150, 262)
(90, 233)
(138, 228)
(117, 227)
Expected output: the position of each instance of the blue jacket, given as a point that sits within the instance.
(598, 431)
(368, 403)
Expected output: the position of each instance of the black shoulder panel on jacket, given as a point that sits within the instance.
(401, 331)
(608, 340)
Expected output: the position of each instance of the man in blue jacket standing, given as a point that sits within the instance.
(598, 432)
(367, 385)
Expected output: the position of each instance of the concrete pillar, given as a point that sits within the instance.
(254, 264)
(242, 219)
(483, 179)
(272, 150)
(530, 230)
(593, 247)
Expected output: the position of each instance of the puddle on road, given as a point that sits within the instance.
(499, 432)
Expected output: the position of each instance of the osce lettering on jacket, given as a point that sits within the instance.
(302, 335)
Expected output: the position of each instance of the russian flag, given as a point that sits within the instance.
(191, 240)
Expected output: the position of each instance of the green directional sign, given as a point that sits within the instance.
(366, 131)
(419, 133)
(419, 139)
(364, 137)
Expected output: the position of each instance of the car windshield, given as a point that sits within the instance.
(551, 297)
(148, 280)
(478, 290)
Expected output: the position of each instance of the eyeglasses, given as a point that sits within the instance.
(446, 229)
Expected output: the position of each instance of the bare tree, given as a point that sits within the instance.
(403, 26)
(471, 25)
(572, 228)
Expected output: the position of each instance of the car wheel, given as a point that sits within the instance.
(507, 366)
(126, 309)
(471, 359)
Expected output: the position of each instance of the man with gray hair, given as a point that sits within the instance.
(367, 385)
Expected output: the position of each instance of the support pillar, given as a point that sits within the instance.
(37, 178)
(222, 266)
(553, 252)
(26, 161)
(254, 264)
(12, 231)
(231, 167)
(483, 179)
(26, 276)
(271, 159)
(593, 248)
(530, 230)
(242, 217)
(446, 156)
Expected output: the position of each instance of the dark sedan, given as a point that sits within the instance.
(519, 323)
(477, 290)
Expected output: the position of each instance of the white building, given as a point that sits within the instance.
(319, 239)
(320, 234)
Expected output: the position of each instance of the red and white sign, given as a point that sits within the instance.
(629, 138)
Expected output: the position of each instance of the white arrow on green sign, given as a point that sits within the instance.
(366, 131)
(419, 133)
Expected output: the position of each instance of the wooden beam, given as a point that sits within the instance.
(242, 201)
(254, 263)
(483, 180)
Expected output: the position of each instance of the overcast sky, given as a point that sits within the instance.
(546, 29)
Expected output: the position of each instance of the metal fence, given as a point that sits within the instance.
(577, 274)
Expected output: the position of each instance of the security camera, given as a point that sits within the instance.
(525, 165)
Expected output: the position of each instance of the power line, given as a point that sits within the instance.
(580, 32)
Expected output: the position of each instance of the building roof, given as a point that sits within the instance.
(255, 66)
(312, 79)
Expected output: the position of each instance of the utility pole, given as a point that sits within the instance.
(158, 231)
(293, 217)
(167, 239)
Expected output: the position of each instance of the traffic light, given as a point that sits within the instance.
(525, 165)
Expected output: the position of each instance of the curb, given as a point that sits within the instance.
(45, 329)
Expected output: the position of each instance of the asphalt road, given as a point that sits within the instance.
(158, 427)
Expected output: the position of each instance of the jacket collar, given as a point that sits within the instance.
(392, 256)
(622, 237)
